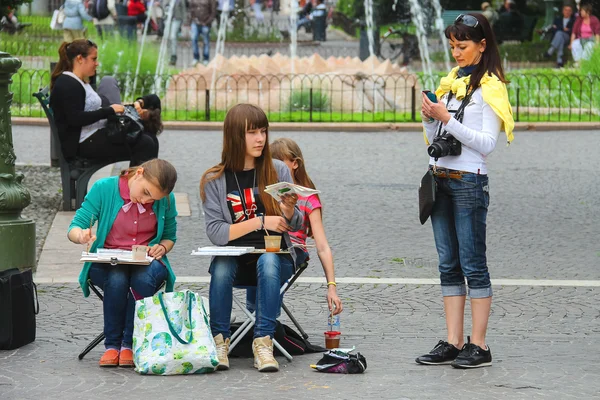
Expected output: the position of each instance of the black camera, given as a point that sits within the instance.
(444, 145)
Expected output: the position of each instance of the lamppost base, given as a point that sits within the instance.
(18, 244)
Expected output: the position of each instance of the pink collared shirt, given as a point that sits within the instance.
(135, 223)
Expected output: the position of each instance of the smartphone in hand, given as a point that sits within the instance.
(431, 96)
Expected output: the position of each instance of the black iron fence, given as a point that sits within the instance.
(329, 97)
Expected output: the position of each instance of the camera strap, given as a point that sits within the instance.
(458, 114)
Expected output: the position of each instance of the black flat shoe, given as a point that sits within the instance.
(442, 353)
(473, 356)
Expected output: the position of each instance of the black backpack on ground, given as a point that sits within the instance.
(18, 307)
(99, 9)
(288, 338)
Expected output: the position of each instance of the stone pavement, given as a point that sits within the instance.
(543, 340)
(542, 224)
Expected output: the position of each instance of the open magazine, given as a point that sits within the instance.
(277, 190)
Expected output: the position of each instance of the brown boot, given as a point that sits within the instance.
(222, 352)
(264, 360)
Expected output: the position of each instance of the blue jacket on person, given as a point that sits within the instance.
(75, 13)
(558, 22)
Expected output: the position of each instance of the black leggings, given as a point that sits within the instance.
(99, 147)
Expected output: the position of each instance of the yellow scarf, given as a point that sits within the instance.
(493, 91)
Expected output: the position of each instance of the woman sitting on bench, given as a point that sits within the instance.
(78, 112)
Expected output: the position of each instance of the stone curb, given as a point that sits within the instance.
(342, 126)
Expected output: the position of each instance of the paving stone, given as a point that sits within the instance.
(542, 340)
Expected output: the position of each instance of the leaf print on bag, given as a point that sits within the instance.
(148, 329)
(187, 367)
(179, 297)
(176, 321)
(189, 336)
(156, 300)
(143, 369)
(190, 326)
(162, 342)
(178, 355)
(159, 369)
(141, 311)
(136, 356)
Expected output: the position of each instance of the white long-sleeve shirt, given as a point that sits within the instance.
(478, 134)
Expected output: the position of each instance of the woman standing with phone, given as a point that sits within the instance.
(463, 128)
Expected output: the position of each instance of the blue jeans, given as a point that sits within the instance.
(173, 34)
(196, 31)
(301, 257)
(119, 305)
(459, 223)
(271, 271)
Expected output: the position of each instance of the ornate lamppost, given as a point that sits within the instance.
(17, 235)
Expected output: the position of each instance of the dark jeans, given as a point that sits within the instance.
(459, 226)
(271, 271)
(119, 305)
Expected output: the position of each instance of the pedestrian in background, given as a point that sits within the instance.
(73, 27)
(202, 14)
(179, 13)
(488, 11)
(104, 13)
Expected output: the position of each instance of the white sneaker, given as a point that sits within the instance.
(222, 352)
(205, 62)
(195, 62)
(264, 360)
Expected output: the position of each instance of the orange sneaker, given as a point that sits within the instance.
(126, 358)
(110, 358)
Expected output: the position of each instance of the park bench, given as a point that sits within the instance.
(74, 174)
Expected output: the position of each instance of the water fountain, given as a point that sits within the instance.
(273, 81)
(417, 17)
(439, 25)
(369, 22)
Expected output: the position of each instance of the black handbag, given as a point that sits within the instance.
(124, 128)
(18, 307)
(427, 191)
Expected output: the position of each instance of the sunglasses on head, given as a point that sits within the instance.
(89, 42)
(467, 20)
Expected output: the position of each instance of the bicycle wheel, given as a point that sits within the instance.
(391, 46)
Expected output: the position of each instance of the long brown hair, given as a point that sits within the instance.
(67, 53)
(160, 173)
(153, 121)
(286, 149)
(240, 119)
(490, 62)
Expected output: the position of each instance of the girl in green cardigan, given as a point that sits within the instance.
(135, 208)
